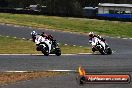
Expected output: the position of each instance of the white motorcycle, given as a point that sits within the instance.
(47, 47)
(99, 47)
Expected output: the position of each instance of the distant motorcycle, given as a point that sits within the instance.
(103, 51)
(100, 48)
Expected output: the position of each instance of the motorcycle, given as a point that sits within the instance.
(103, 51)
(100, 48)
(45, 43)
(44, 48)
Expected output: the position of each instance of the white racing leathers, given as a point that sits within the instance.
(94, 41)
(40, 39)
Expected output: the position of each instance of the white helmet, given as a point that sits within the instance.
(34, 33)
(91, 34)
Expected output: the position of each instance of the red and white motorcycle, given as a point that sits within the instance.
(46, 46)
(101, 46)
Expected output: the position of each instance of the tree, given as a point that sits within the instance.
(3, 3)
(64, 7)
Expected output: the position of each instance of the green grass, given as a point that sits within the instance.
(80, 25)
(19, 46)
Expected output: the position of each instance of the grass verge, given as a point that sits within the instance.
(10, 45)
(10, 77)
(81, 25)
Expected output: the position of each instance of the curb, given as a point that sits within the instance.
(42, 54)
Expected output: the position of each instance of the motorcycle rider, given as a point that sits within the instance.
(98, 36)
(34, 35)
(94, 39)
(39, 38)
(43, 37)
(50, 37)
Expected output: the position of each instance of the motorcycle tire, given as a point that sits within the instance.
(102, 52)
(58, 52)
(46, 53)
(109, 51)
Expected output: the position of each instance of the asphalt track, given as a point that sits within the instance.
(120, 61)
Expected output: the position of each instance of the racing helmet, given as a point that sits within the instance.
(43, 34)
(33, 33)
(91, 34)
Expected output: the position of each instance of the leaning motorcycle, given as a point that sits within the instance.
(99, 47)
(44, 48)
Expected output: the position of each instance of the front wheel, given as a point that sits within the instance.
(46, 53)
(102, 52)
(58, 52)
(109, 51)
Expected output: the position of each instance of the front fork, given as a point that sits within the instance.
(94, 48)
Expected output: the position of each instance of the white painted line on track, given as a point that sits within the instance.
(84, 53)
(21, 26)
(2, 24)
(30, 27)
(30, 39)
(65, 44)
(18, 71)
(16, 26)
(42, 54)
(14, 54)
(124, 38)
(46, 29)
(71, 32)
(8, 24)
(111, 37)
(40, 28)
(23, 38)
(62, 70)
(107, 36)
(15, 37)
(74, 45)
